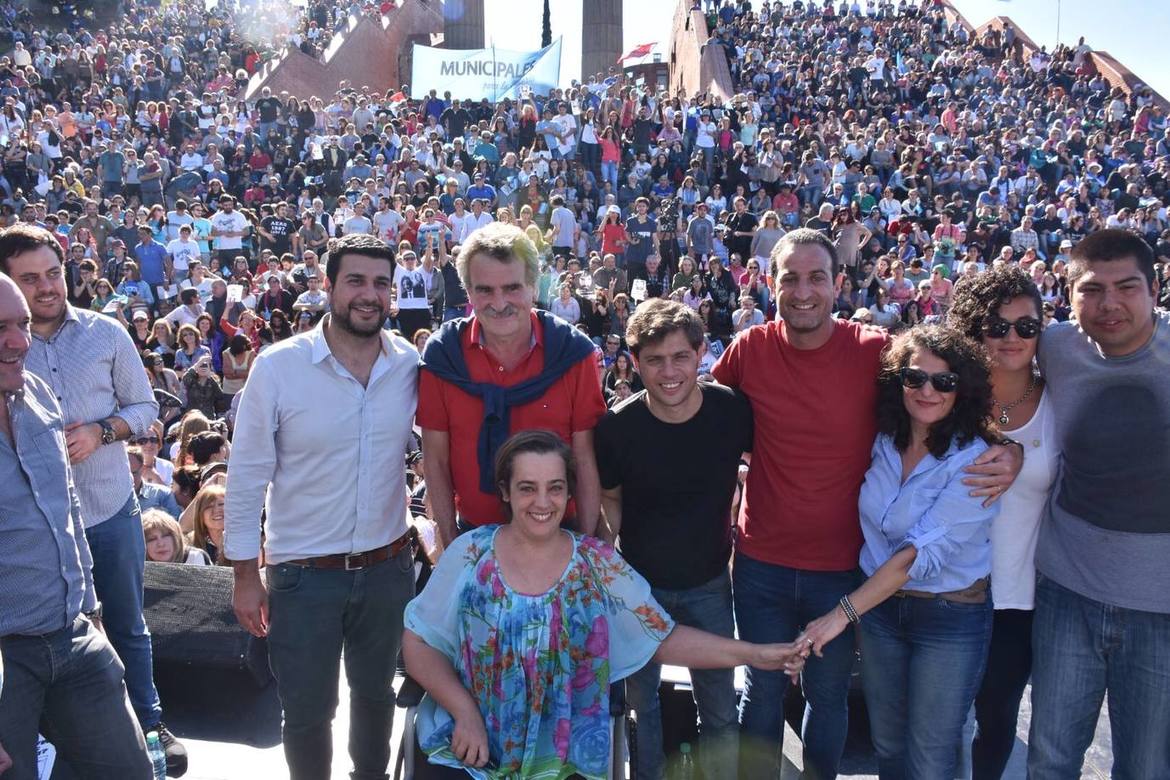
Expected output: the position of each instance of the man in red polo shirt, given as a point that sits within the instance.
(505, 369)
(812, 383)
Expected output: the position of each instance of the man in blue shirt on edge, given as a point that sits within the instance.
(62, 674)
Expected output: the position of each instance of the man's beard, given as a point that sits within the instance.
(341, 317)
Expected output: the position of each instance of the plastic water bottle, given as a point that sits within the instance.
(686, 763)
(158, 756)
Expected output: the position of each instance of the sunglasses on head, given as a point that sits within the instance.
(943, 381)
(1026, 327)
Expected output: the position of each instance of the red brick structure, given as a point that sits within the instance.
(373, 52)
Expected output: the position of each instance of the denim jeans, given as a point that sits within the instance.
(772, 604)
(315, 614)
(609, 173)
(119, 553)
(706, 607)
(921, 663)
(68, 685)
(997, 704)
(1082, 648)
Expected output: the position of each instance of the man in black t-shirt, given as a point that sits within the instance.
(268, 107)
(669, 461)
(277, 231)
(741, 228)
(455, 120)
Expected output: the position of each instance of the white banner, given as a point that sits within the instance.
(495, 74)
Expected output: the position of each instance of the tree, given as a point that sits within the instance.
(546, 27)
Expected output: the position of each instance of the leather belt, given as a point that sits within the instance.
(975, 593)
(359, 560)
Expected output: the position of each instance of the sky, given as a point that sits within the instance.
(1136, 32)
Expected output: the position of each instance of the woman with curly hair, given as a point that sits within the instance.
(924, 611)
(1002, 308)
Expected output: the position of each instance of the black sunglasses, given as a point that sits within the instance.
(146, 440)
(1026, 327)
(943, 381)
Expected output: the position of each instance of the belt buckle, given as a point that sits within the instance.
(350, 556)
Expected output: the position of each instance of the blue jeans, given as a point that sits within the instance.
(706, 607)
(1082, 648)
(68, 685)
(313, 615)
(921, 664)
(772, 604)
(119, 553)
(609, 173)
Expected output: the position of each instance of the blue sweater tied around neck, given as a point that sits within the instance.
(564, 347)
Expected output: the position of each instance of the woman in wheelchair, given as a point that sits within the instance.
(522, 628)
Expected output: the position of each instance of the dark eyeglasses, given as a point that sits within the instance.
(943, 381)
(1026, 327)
(146, 440)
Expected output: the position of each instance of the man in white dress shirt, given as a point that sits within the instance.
(322, 427)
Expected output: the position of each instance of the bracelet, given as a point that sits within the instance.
(847, 607)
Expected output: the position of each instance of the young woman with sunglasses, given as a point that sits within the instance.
(1003, 309)
(924, 611)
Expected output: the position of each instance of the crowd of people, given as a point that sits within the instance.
(895, 283)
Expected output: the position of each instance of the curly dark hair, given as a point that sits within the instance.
(971, 415)
(978, 297)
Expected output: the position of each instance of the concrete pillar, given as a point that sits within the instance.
(601, 36)
(463, 24)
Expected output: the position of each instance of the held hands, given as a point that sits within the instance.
(469, 741)
(788, 658)
(823, 630)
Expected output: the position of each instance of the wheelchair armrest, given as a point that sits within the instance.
(617, 699)
(410, 694)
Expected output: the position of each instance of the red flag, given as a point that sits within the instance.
(638, 51)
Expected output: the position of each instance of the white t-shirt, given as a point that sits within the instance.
(388, 224)
(563, 224)
(472, 223)
(175, 220)
(1015, 530)
(412, 288)
(234, 222)
(705, 134)
(183, 252)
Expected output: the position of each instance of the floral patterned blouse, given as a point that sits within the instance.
(539, 666)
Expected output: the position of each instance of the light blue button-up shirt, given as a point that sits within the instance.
(95, 371)
(932, 511)
(45, 566)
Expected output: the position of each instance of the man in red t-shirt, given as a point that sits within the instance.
(812, 383)
(542, 374)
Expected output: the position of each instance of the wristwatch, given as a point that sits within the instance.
(109, 435)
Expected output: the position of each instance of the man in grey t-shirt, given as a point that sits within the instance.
(1102, 619)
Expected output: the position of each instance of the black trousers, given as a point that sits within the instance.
(997, 705)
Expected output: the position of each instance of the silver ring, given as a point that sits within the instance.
(810, 641)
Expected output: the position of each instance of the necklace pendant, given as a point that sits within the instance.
(1003, 418)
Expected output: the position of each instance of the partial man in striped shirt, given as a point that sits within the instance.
(58, 673)
(95, 374)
